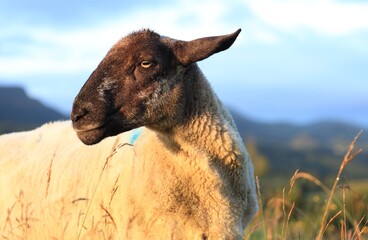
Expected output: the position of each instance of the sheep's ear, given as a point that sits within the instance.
(199, 49)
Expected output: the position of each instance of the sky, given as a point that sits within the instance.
(296, 61)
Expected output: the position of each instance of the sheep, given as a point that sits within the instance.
(150, 153)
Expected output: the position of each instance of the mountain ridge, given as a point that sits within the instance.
(19, 112)
(325, 133)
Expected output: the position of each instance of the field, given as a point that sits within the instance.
(307, 208)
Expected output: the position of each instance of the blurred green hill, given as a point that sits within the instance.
(316, 148)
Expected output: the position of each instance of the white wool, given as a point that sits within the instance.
(53, 186)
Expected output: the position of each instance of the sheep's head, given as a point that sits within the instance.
(139, 83)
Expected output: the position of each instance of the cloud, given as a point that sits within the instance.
(57, 49)
(327, 17)
(48, 49)
(35, 49)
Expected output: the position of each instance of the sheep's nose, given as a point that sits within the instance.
(78, 114)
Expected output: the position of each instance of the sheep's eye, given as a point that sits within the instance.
(146, 64)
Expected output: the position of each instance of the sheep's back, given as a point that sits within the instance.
(126, 187)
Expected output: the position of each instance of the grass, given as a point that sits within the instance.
(336, 212)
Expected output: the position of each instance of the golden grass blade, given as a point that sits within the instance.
(288, 219)
(258, 186)
(292, 181)
(357, 231)
(348, 157)
(330, 221)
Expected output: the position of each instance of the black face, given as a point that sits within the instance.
(134, 85)
(140, 82)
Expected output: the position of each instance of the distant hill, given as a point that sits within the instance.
(324, 134)
(316, 148)
(20, 112)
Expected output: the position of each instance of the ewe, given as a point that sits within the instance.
(184, 175)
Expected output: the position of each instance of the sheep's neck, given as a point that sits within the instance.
(209, 128)
(205, 128)
(214, 135)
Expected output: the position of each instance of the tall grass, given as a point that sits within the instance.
(293, 214)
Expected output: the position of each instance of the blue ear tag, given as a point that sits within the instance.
(135, 135)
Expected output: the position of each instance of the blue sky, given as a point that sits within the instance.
(295, 60)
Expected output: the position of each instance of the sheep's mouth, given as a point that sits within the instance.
(95, 134)
(92, 135)
(89, 129)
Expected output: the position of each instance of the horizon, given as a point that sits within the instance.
(231, 109)
(299, 62)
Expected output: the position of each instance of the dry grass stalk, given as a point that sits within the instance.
(285, 226)
(357, 231)
(292, 181)
(343, 229)
(114, 189)
(258, 186)
(277, 216)
(330, 221)
(344, 213)
(8, 219)
(49, 171)
(23, 221)
(279, 206)
(254, 228)
(350, 155)
(113, 152)
(288, 219)
(312, 179)
(109, 216)
(283, 232)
